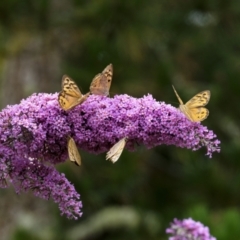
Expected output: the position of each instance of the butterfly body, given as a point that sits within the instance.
(116, 150)
(194, 109)
(70, 96)
(73, 153)
(101, 83)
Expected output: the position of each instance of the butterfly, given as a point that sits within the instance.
(73, 153)
(101, 83)
(116, 150)
(70, 96)
(194, 109)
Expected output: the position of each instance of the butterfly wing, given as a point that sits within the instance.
(70, 87)
(101, 83)
(67, 102)
(108, 73)
(195, 106)
(73, 153)
(194, 109)
(116, 150)
(199, 100)
(198, 114)
(70, 96)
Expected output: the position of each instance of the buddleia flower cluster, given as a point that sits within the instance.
(188, 229)
(34, 133)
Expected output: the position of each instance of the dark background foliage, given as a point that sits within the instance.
(194, 45)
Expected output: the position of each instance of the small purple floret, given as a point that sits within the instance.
(34, 133)
(188, 229)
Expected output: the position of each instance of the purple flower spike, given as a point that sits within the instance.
(188, 229)
(34, 133)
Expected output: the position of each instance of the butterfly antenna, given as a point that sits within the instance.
(179, 99)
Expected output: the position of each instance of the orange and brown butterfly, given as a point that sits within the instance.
(194, 109)
(70, 96)
(116, 150)
(101, 83)
(73, 152)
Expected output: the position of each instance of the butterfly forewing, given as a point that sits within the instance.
(70, 96)
(73, 153)
(116, 150)
(70, 87)
(199, 100)
(108, 72)
(101, 83)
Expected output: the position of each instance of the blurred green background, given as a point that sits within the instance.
(194, 45)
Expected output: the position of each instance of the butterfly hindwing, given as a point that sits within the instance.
(101, 83)
(198, 114)
(67, 102)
